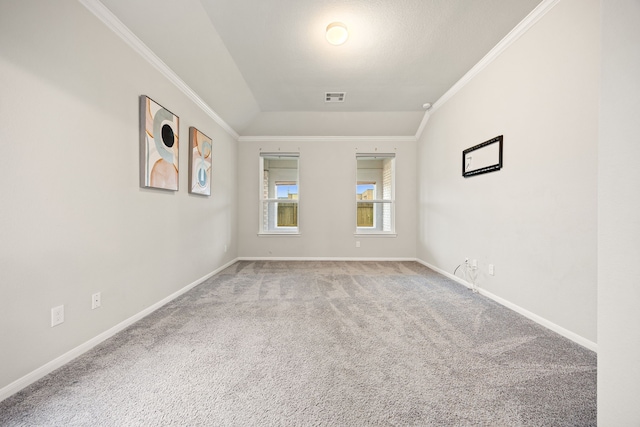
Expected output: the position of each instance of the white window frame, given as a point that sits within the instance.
(380, 199)
(265, 200)
(285, 228)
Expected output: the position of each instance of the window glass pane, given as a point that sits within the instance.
(287, 214)
(279, 194)
(365, 214)
(286, 191)
(279, 216)
(279, 171)
(365, 191)
(374, 193)
(376, 216)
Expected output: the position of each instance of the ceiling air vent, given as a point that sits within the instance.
(334, 97)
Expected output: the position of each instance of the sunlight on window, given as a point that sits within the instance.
(365, 191)
(280, 193)
(374, 193)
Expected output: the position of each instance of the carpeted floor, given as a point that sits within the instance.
(322, 343)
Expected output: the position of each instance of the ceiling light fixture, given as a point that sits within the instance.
(337, 33)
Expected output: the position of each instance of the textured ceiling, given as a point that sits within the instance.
(399, 55)
(249, 58)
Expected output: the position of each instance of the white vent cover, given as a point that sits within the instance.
(334, 96)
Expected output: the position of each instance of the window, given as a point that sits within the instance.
(375, 193)
(366, 213)
(279, 193)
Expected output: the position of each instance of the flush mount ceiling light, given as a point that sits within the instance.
(337, 33)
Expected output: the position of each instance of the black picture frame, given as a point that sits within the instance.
(482, 158)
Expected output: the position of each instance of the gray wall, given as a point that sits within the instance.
(327, 210)
(619, 217)
(535, 219)
(73, 219)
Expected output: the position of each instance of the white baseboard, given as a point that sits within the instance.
(526, 313)
(49, 367)
(323, 259)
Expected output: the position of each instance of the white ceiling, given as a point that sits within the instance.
(252, 59)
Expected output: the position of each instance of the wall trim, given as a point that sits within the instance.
(529, 21)
(377, 259)
(67, 357)
(399, 139)
(423, 124)
(526, 313)
(115, 25)
(514, 307)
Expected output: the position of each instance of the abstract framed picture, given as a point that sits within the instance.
(199, 162)
(159, 144)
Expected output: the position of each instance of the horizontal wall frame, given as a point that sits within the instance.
(67, 357)
(526, 313)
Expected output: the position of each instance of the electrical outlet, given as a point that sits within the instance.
(357, 244)
(474, 263)
(57, 315)
(95, 301)
(491, 269)
(225, 248)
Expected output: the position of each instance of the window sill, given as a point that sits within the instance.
(267, 234)
(365, 234)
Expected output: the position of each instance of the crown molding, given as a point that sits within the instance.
(398, 139)
(534, 16)
(423, 124)
(114, 24)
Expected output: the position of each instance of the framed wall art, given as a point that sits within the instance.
(199, 162)
(159, 144)
(482, 158)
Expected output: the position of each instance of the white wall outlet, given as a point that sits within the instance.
(491, 270)
(225, 248)
(474, 263)
(357, 243)
(57, 315)
(95, 301)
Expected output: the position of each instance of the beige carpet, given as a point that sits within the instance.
(322, 343)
